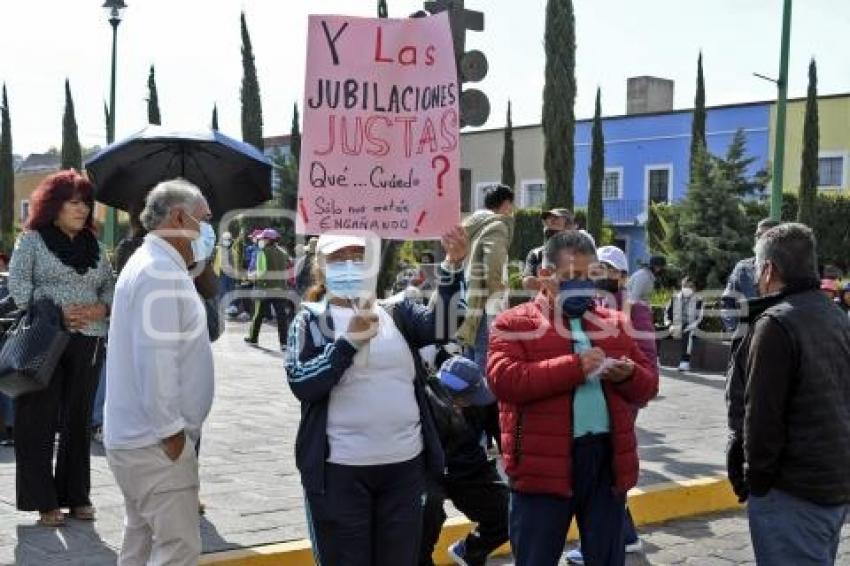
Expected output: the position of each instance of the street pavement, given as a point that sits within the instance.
(714, 540)
(248, 478)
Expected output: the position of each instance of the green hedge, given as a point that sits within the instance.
(832, 227)
(528, 233)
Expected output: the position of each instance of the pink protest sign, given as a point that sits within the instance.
(380, 149)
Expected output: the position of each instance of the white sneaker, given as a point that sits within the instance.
(573, 557)
(685, 366)
(635, 548)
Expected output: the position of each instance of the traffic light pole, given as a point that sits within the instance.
(781, 103)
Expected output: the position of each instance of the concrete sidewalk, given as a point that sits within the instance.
(248, 477)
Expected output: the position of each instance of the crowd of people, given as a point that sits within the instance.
(522, 416)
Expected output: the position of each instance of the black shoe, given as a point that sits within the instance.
(249, 341)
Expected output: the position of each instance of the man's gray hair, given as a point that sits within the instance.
(792, 249)
(166, 196)
(575, 241)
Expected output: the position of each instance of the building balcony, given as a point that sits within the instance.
(625, 212)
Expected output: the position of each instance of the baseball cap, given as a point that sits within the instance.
(330, 243)
(559, 212)
(613, 256)
(269, 234)
(462, 377)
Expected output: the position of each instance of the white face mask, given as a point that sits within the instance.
(204, 245)
(263, 244)
(687, 292)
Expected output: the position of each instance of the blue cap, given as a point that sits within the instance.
(462, 377)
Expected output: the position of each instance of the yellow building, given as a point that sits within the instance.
(25, 184)
(834, 152)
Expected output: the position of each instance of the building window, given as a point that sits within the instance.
(533, 194)
(831, 171)
(612, 184)
(658, 181)
(478, 197)
(25, 211)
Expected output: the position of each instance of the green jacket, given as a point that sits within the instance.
(274, 274)
(490, 236)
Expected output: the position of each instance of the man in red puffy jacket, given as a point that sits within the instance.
(567, 377)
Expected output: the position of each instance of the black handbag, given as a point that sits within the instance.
(31, 349)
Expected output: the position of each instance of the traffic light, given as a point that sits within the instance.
(471, 65)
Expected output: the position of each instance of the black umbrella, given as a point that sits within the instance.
(230, 173)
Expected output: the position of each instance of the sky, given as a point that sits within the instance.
(195, 45)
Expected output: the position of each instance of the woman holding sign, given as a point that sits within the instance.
(367, 437)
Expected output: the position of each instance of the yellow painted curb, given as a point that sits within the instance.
(653, 504)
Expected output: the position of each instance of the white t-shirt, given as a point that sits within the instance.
(373, 416)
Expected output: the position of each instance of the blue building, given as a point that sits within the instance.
(646, 160)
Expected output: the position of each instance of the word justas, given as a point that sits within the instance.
(376, 135)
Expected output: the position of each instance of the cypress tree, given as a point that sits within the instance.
(809, 169)
(72, 153)
(252, 109)
(7, 178)
(508, 172)
(559, 95)
(698, 124)
(153, 100)
(595, 209)
(295, 137)
(214, 124)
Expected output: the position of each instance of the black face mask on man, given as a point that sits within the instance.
(548, 233)
(608, 285)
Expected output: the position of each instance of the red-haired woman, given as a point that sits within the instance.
(58, 257)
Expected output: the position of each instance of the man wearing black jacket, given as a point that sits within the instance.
(788, 397)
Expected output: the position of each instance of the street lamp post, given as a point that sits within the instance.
(113, 9)
(781, 103)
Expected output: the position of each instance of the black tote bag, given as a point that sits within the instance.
(31, 349)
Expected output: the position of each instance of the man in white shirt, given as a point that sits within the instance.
(159, 387)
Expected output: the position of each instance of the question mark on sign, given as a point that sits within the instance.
(445, 169)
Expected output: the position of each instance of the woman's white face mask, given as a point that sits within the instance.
(345, 279)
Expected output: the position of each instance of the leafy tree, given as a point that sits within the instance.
(559, 94)
(736, 164)
(712, 226)
(153, 100)
(698, 124)
(7, 178)
(595, 207)
(508, 172)
(809, 169)
(252, 108)
(72, 153)
(658, 229)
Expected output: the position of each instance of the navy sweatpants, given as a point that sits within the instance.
(368, 515)
(539, 523)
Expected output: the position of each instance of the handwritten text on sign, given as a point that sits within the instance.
(380, 150)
